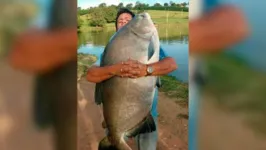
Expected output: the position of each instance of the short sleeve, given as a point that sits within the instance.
(162, 54)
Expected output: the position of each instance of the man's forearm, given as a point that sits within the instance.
(42, 51)
(63, 43)
(164, 66)
(221, 28)
(99, 74)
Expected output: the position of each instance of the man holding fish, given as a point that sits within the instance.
(135, 69)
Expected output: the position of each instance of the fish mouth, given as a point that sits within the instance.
(146, 36)
(148, 29)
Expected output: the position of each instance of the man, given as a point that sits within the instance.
(43, 51)
(126, 69)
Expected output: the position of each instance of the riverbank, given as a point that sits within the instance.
(237, 90)
(84, 62)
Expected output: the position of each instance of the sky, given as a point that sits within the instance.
(88, 3)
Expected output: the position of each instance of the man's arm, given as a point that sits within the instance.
(164, 66)
(42, 51)
(99, 74)
(221, 28)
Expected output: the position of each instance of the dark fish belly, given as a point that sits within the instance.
(126, 102)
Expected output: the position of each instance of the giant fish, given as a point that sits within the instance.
(127, 102)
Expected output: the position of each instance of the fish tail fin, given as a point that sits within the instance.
(146, 126)
(105, 144)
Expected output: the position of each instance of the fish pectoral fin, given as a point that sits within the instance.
(105, 144)
(98, 93)
(150, 50)
(158, 82)
(146, 126)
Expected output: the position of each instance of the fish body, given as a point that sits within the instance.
(127, 102)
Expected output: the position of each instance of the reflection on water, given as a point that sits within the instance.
(175, 46)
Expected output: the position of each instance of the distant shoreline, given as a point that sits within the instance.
(176, 19)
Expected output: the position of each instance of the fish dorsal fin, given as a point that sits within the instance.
(150, 50)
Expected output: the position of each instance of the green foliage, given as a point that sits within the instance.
(165, 5)
(157, 5)
(80, 21)
(84, 62)
(129, 6)
(101, 15)
(140, 7)
(110, 14)
(97, 17)
(82, 11)
(102, 5)
(120, 5)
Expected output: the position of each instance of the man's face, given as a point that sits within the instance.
(123, 19)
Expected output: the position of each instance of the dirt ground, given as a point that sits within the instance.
(223, 130)
(172, 130)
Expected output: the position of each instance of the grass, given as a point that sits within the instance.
(238, 88)
(175, 89)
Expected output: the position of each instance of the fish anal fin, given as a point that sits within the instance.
(146, 126)
(98, 93)
(158, 82)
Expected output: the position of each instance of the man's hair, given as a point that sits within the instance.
(121, 11)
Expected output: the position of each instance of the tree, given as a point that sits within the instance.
(137, 3)
(97, 17)
(102, 5)
(172, 3)
(80, 21)
(110, 14)
(184, 4)
(114, 6)
(145, 6)
(120, 5)
(157, 5)
(83, 11)
(140, 7)
(165, 5)
(129, 6)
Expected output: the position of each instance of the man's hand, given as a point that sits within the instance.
(132, 69)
